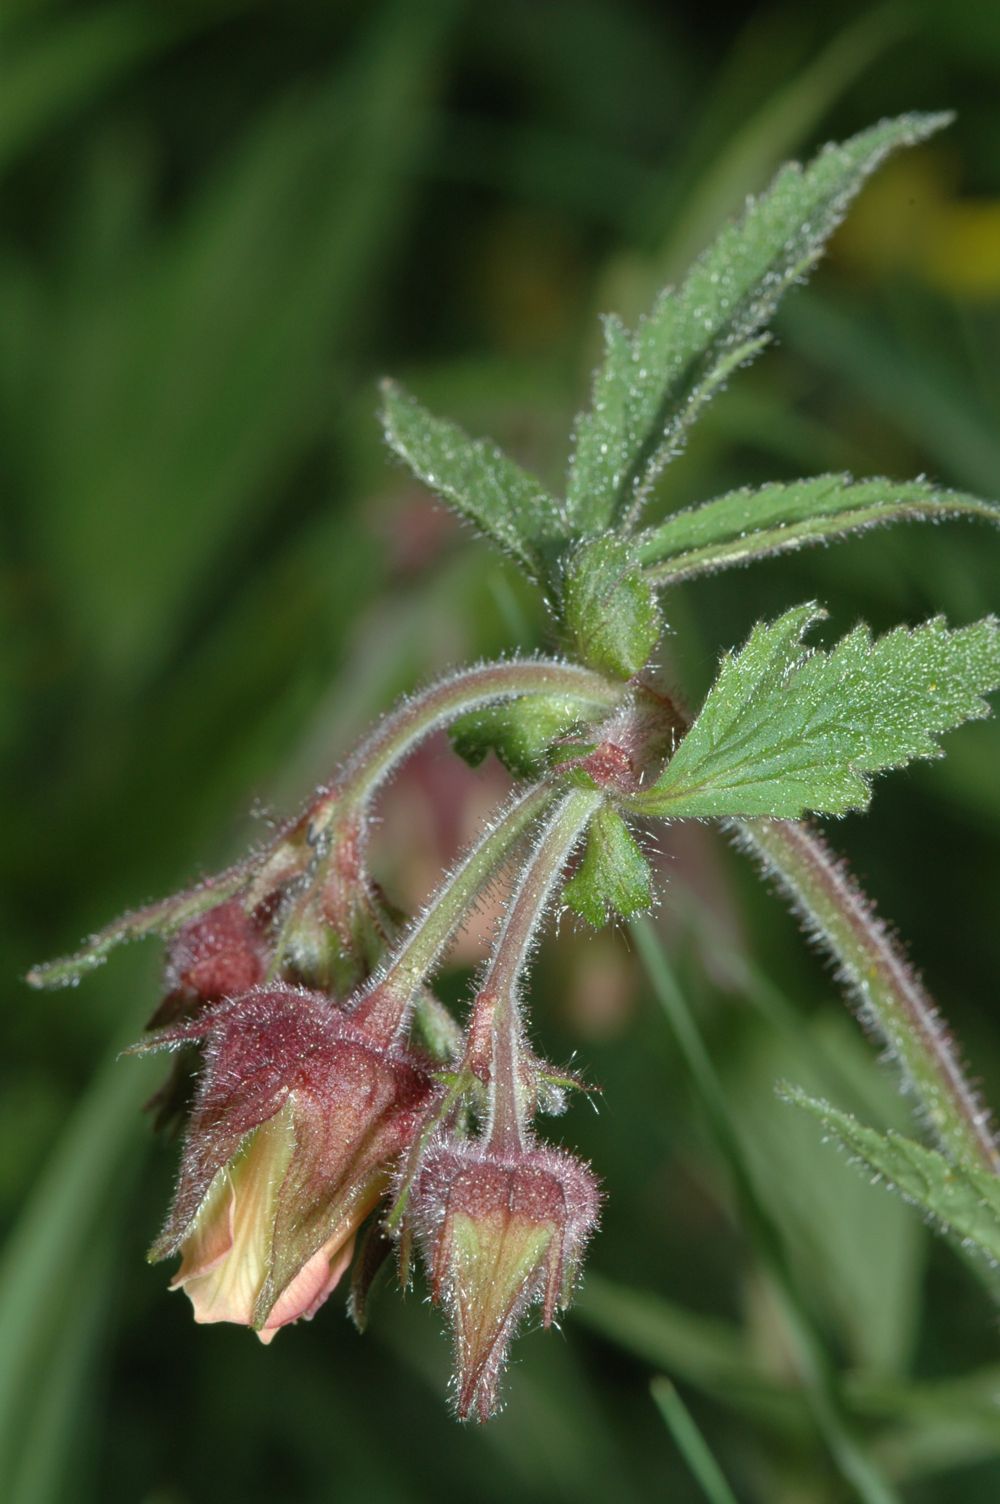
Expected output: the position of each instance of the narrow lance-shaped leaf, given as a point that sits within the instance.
(964, 1199)
(652, 385)
(749, 524)
(477, 480)
(785, 730)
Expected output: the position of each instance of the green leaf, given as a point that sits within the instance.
(610, 608)
(964, 1199)
(785, 730)
(749, 524)
(651, 387)
(477, 480)
(613, 876)
(520, 732)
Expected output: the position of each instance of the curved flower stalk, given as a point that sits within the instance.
(308, 889)
(503, 1222)
(332, 1086)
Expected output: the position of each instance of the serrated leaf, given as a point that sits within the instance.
(520, 732)
(613, 876)
(963, 1198)
(609, 607)
(477, 480)
(751, 523)
(785, 730)
(646, 396)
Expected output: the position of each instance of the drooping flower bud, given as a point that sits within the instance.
(499, 1233)
(220, 953)
(297, 1123)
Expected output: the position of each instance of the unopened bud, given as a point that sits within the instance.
(499, 1234)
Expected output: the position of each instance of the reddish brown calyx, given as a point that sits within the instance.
(298, 1122)
(499, 1234)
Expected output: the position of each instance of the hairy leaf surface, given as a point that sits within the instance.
(613, 876)
(786, 730)
(751, 523)
(476, 479)
(610, 607)
(964, 1199)
(652, 384)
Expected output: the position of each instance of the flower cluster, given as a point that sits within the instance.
(319, 1084)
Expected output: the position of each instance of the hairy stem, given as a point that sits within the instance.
(889, 995)
(414, 719)
(385, 1004)
(337, 825)
(496, 1031)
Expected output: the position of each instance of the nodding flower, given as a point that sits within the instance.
(499, 1234)
(297, 1123)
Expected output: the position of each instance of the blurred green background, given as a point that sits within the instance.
(222, 222)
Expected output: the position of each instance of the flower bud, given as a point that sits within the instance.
(296, 1126)
(499, 1233)
(220, 953)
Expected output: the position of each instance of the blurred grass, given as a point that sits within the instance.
(221, 225)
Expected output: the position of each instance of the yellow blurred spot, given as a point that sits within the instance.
(911, 218)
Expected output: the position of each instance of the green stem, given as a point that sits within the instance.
(337, 827)
(416, 718)
(496, 1030)
(889, 995)
(384, 1007)
(814, 1365)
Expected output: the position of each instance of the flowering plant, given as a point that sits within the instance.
(327, 1095)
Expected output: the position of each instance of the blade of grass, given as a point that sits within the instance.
(815, 1368)
(48, 1471)
(919, 398)
(690, 1443)
(38, 1278)
(61, 66)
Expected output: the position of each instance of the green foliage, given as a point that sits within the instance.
(189, 465)
(652, 386)
(613, 877)
(964, 1199)
(785, 730)
(752, 523)
(520, 732)
(610, 609)
(476, 479)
